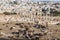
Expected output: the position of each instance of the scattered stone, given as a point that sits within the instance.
(1, 29)
(18, 24)
(12, 28)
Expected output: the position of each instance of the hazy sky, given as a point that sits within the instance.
(46, 0)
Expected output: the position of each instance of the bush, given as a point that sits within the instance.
(56, 13)
(8, 13)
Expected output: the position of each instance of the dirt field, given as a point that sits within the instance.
(53, 31)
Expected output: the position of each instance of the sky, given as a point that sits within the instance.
(46, 0)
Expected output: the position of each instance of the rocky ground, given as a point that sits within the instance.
(27, 30)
